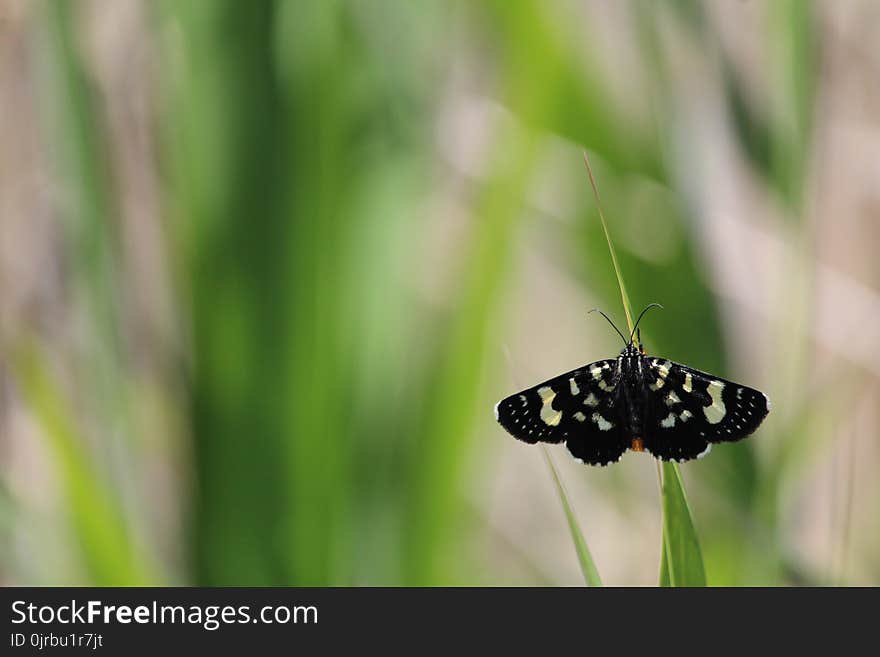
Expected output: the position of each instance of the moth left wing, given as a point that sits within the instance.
(688, 410)
(580, 408)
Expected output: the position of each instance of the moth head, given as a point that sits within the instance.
(630, 350)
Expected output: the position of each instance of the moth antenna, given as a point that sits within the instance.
(642, 314)
(622, 337)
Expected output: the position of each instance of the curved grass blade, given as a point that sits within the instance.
(585, 559)
(681, 563)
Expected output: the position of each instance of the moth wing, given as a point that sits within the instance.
(688, 410)
(581, 408)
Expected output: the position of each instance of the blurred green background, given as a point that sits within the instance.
(266, 267)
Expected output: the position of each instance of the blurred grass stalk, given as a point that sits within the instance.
(110, 556)
(253, 208)
(103, 524)
(324, 454)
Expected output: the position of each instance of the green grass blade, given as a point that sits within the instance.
(110, 556)
(585, 559)
(682, 562)
(624, 297)
(663, 580)
(226, 194)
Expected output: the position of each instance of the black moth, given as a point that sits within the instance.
(637, 402)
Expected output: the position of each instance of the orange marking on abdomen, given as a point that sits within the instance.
(637, 445)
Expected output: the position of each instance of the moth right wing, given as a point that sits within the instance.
(580, 408)
(688, 410)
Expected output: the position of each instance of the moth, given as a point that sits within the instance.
(637, 402)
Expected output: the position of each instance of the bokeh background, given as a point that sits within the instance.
(265, 268)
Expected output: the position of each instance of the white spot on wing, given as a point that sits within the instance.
(688, 383)
(662, 372)
(591, 400)
(716, 411)
(604, 425)
(668, 422)
(550, 416)
(496, 409)
(574, 386)
(685, 414)
(580, 417)
(672, 398)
